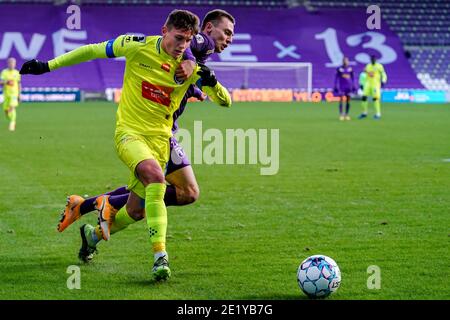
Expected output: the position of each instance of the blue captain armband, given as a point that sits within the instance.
(109, 49)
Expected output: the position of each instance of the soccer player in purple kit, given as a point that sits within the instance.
(216, 34)
(343, 86)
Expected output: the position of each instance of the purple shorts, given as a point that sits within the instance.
(178, 158)
(344, 92)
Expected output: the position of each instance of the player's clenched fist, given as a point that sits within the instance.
(208, 76)
(34, 67)
(185, 69)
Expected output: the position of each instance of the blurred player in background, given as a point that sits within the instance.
(144, 118)
(10, 79)
(216, 34)
(375, 78)
(343, 86)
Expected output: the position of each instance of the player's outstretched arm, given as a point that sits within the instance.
(209, 84)
(124, 45)
(79, 55)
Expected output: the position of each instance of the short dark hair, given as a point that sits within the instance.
(215, 16)
(183, 20)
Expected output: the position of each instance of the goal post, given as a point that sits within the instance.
(264, 75)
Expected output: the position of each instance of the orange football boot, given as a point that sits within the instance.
(106, 213)
(71, 213)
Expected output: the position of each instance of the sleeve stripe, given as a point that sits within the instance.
(109, 49)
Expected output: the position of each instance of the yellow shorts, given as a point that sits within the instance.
(10, 101)
(133, 149)
(372, 91)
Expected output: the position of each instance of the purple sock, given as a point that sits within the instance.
(340, 107)
(347, 107)
(89, 204)
(119, 191)
(119, 201)
(170, 197)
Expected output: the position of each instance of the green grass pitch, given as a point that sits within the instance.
(363, 192)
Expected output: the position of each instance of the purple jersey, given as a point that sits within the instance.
(202, 46)
(344, 80)
(192, 91)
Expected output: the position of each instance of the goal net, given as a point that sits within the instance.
(264, 75)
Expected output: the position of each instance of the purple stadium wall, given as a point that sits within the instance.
(276, 35)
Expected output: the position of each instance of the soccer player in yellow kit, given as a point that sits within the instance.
(375, 78)
(151, 94)
(10, 79)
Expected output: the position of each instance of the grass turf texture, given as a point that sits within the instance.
(363, 192)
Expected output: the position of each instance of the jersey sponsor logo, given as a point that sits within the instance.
(165, 67)
(210, 52)
(155, 93)
(199, 38)
(177, 81)
(145, 66)
(129, 38)
(139, 39)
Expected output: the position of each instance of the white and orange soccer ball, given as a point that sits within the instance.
(318, 276)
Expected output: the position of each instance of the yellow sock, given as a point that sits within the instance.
(365, 107)
(13, 115)
(158, 247)
(377, 106)
(156, 213)
(121, 220)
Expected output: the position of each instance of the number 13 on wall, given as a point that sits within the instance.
(376, 42)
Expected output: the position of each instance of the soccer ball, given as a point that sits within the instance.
(318, 276)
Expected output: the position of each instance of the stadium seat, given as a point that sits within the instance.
(418, 23)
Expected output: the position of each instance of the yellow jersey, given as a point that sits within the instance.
(375, 74)
(11, 79)
(150, 93)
